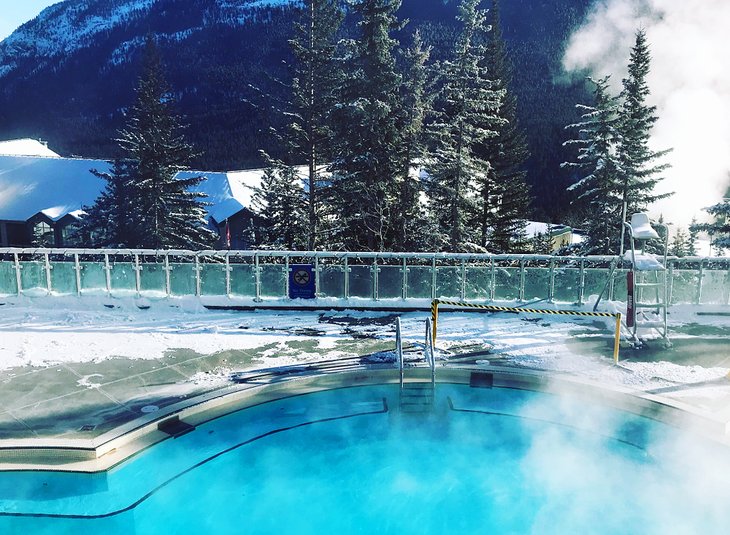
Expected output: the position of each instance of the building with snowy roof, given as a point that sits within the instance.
(42, 196)
(559, 235)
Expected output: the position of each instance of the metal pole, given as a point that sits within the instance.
(317, 277)
(493, 281)
(18, 278)
(48, 273)
(434, 318)
(551, 288)
(404, 280)
(346, 282)
(77, 267)
(197, 269)
(108, 274)
(433, 278)
(617, 338)
(375, 269)
(168, 285)
(623, 229)
(228, 275)
(582, 282)
(462, 294)
(257, 278)
(137, 275)
(521, 291)
(701, 275)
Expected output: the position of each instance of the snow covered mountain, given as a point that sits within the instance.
(68, 75)
(62, 29)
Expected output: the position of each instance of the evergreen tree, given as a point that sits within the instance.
(317, 78)
(165, 213)
(504, 193)
(280, 202)
(719, 229)
(466, 117)
(680, 244)
(366, 163)
(108, 222)
(639, 170)
(410, 223)
(692, 238)
(598, 188)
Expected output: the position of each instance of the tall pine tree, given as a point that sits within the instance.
(144, 204)
(317, 79)
(166, 213)
(411, 225)
(466, 117)
(279, 201)
(504, 192)
(598, 189)
(639, 167)
(719, 229)
(366, 162)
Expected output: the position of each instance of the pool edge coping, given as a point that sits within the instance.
(106, 451)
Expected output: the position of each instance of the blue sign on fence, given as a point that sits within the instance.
(301, 281)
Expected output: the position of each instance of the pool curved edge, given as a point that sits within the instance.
(114, 447)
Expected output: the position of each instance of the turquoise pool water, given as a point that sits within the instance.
(348, 461)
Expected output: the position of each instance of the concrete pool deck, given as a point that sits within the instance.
(77, 402)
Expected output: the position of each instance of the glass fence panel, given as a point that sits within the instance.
(361, 281)
(152, 279)
(8, 284)
(595, 280)
(63, 277)
(243, 280)
(182, 278)
(506, 283)
(683, 286)
(273, 280)
(123, 278)
(419, 282)
(213, 279)
(478, 281)
(448, 282)
(715, 287)
(33, 276)
(567, 285)
(390, 282)
(537, 283)
(93, 278)
(331, 281)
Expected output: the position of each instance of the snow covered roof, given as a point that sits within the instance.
(54, 186)
(26, 147)
(534, 228)
(59, 186)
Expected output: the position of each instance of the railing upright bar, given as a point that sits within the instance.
(404, 280)
(168, 281)
(49, 283)
(700, 276)
(18, 276)
(429, 351)
(107, 274)
(399, 348)
(582, 282)
(228, 275)
(137, 274)
(77, 268)
(346, 282)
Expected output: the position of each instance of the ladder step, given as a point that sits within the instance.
(649, 284)
(650, 305)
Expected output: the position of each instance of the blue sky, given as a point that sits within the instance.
(13, 13)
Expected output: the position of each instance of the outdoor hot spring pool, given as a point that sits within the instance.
(348, 460)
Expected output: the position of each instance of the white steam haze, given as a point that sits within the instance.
(689, 82)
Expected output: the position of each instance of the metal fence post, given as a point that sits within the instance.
(257, 278)
(492, 281)
(48, 273)
(197, 269)
(108, 274)
(375, 269)
(551, 287)
(462, 293)
(18, 277)
(346, 282)
(137, 274)
(521, 291)
(167, 269)
(77, 267)
(433, 278)
(582, 282)
(404, 280)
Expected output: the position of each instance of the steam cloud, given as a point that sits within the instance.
(689, 82)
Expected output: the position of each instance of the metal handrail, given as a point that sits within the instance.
(429, 351)
(399, 348)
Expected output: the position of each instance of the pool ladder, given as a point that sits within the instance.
(416, 395)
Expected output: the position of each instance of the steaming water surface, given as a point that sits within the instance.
(348, 461)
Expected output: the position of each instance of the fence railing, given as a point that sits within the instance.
(264, 275)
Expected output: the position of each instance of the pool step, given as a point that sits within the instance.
(416, 397)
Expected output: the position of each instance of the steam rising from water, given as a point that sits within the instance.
(689, 83)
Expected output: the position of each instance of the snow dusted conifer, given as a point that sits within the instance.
(638, 167)
(164, 212)
(317, 78)
(466, 116)
(680, 244)
(108, 222)
(692, 238)
(411, 225)
(504, 193)
(719, 229)
(366, 164)
(280, 202)
(598, 188)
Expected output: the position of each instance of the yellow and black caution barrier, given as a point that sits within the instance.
(617, 315)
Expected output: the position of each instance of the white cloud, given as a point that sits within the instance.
(689, 81)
